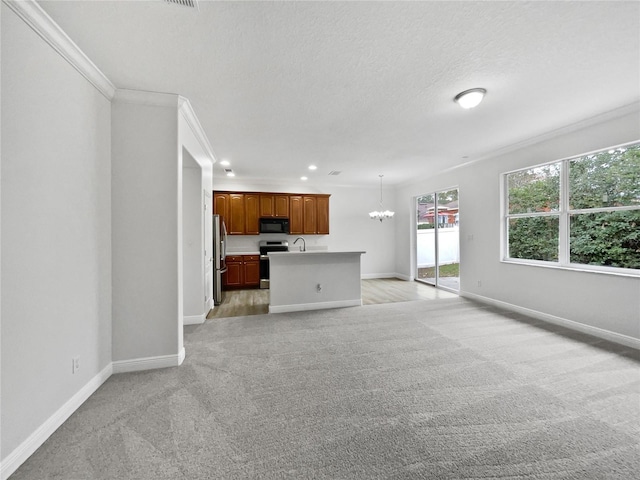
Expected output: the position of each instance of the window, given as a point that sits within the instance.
(582, 212)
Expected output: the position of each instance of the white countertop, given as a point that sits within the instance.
(242, 253)
(316, 252)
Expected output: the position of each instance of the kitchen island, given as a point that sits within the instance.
(314, 280)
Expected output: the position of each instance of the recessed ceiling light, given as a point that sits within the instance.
(225, 163)
(312, 167)
(470, 98)
(303, 178)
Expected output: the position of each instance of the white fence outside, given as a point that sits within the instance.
(448, 241)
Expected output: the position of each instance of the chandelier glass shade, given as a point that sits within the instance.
(382, 214)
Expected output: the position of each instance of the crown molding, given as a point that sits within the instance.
(41, 23)
(186, 110)
(142, 97)
(567, 129)
(632, 108)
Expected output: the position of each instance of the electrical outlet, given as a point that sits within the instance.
(75, 364)
(479, 283)
(319, 288)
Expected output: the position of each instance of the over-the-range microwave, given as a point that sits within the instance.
(274, 225)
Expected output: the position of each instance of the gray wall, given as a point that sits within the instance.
(147, 258)
(609, 302)
(56, 263)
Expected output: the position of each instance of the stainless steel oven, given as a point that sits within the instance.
(267, 246)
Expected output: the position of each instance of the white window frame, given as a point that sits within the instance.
(564, 214)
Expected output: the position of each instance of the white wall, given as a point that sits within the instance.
(192, 238)
(146, 205)
(56, 281)
(604, 301)
(350, 227)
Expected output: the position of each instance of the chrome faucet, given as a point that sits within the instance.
(304, 244)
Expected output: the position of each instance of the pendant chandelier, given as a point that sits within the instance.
(382, 214)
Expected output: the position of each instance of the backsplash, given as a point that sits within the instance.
(249, 243)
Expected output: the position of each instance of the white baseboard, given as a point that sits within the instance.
(194, 319)
(369, 276)
(619, 338)
(314, 306)
(406, 278)
(148, 363)
(16, 458)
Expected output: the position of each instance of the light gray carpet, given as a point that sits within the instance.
(436, 389)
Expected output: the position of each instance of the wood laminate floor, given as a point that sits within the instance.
(238, 303)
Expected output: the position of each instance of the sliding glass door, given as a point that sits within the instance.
(438, 239)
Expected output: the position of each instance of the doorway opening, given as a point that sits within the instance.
(196, 235)
(438, 239)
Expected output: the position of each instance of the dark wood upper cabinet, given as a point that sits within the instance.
(322, 218)
(295, 214)
(221, 205)
(267, 205)
(252, 213)
(236, 224)
(309, 226)
(274, 206)
(308, 214)
(281, 206)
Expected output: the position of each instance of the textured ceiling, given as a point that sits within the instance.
(366, 87)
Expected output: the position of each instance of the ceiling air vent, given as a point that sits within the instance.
(184, 3)
(335, 172)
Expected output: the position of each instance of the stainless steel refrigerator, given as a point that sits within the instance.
(219, 255)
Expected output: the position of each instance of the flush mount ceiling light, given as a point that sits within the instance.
(470, 98)
(382, 214)
(312, 167)
(225, 163)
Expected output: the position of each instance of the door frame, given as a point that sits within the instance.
(437, 227)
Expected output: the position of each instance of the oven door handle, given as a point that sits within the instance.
(264, 257)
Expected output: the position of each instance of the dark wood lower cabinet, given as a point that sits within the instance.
(251, 265)
(243, 271)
